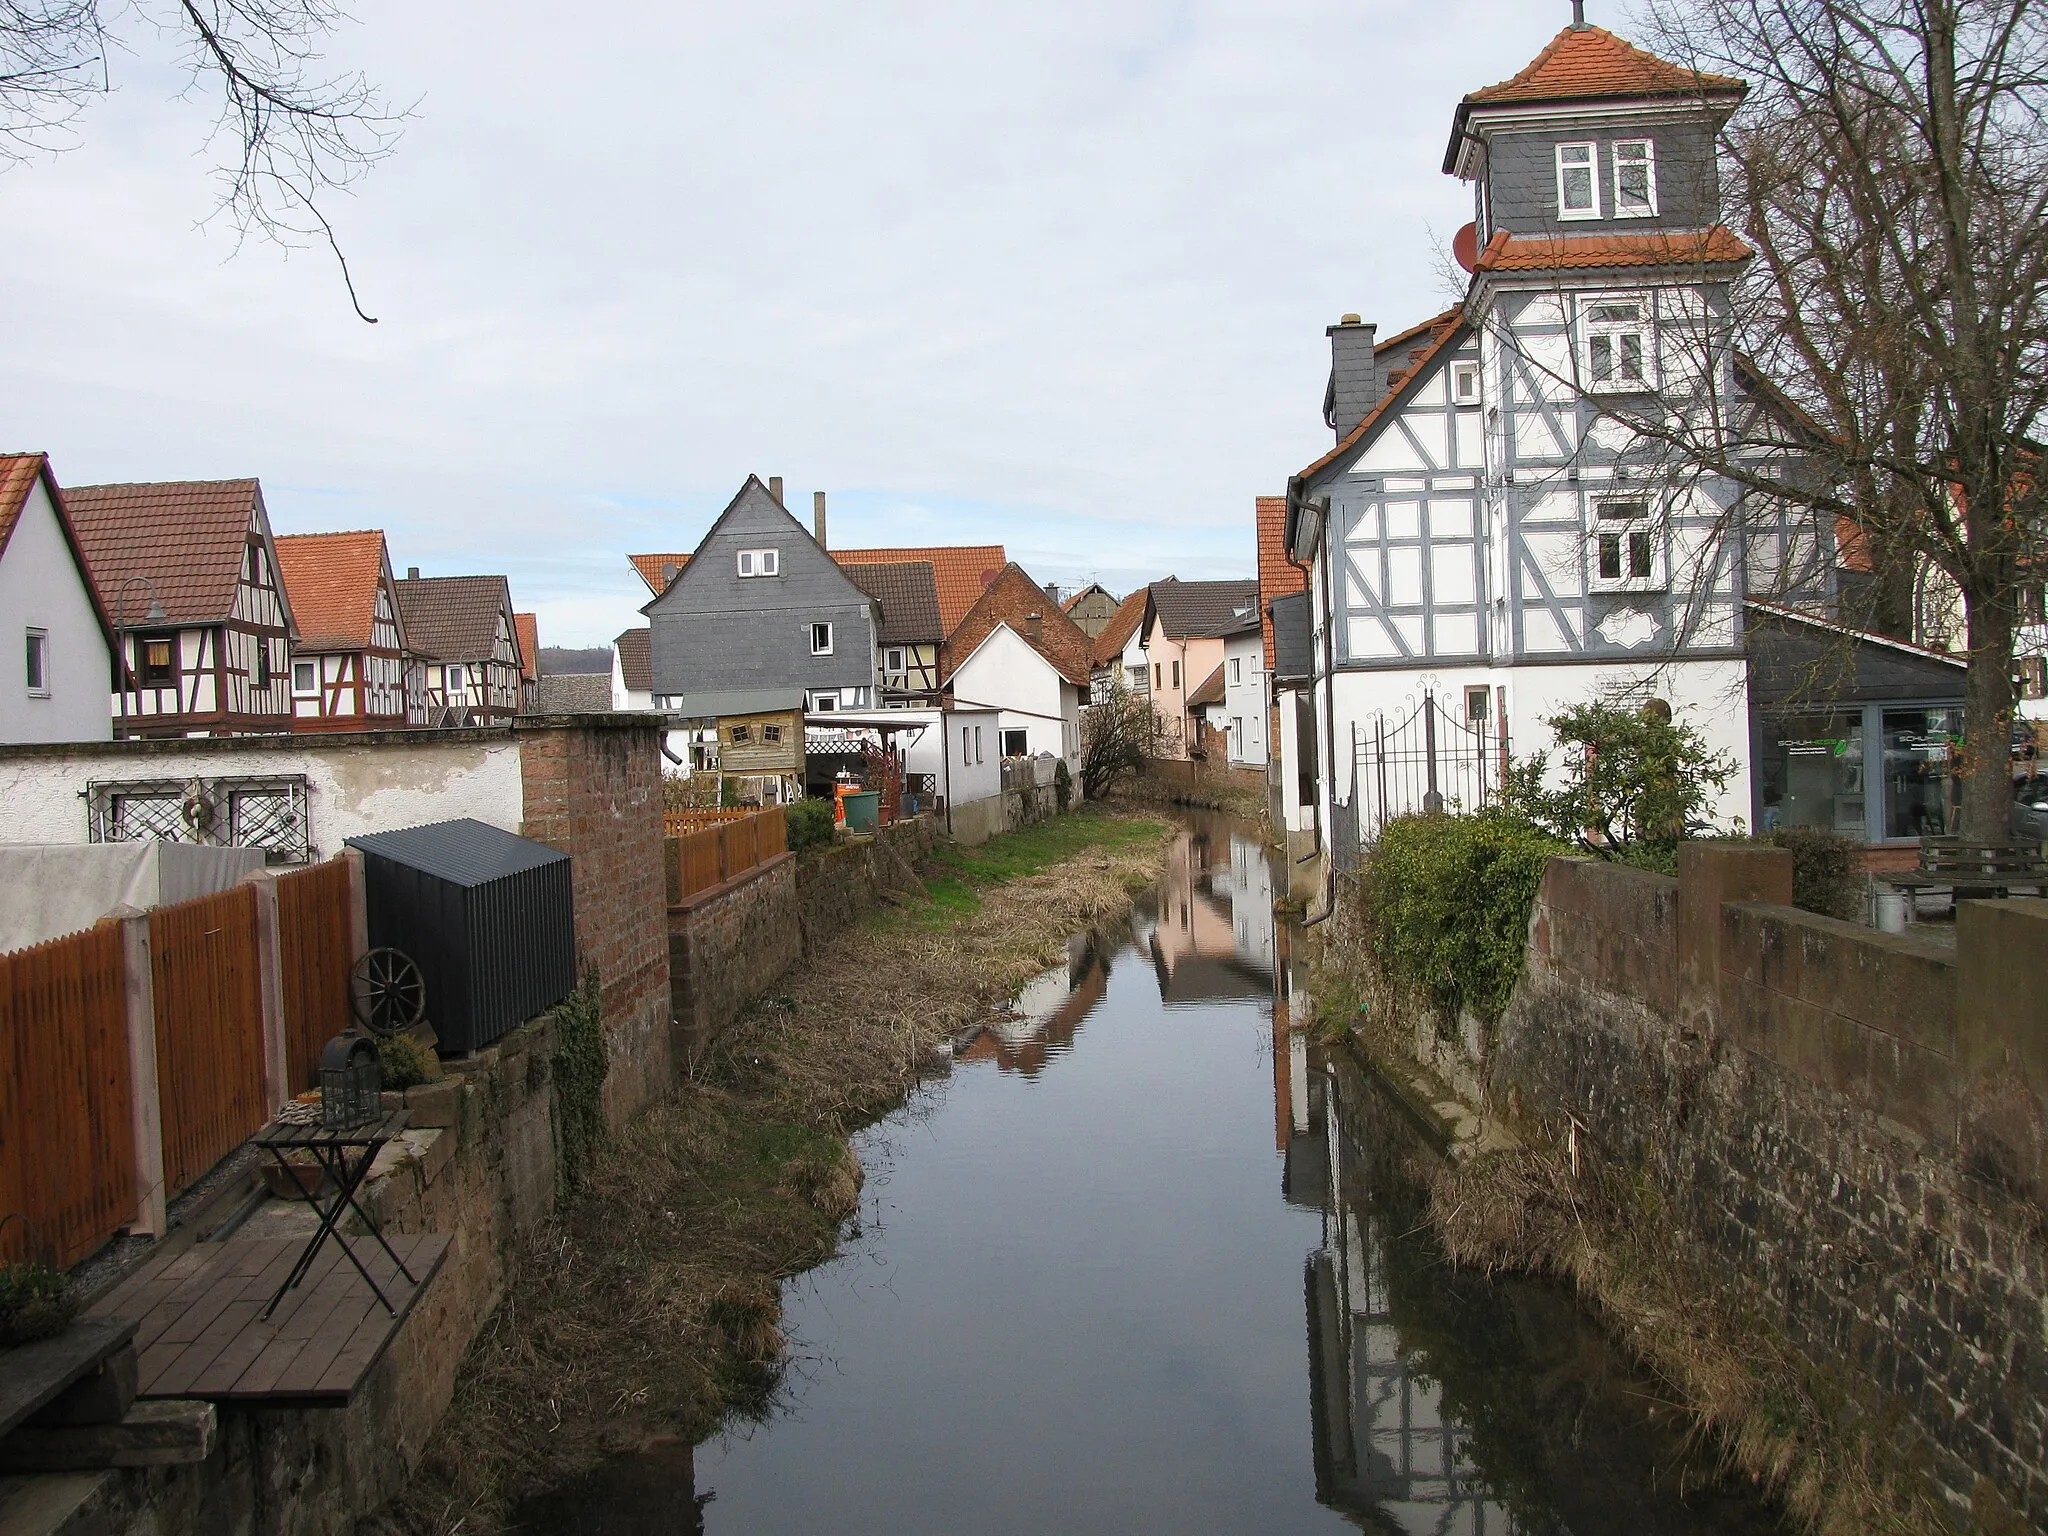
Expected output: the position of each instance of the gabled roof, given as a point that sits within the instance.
(186, 538)
(1130, 613)
(959, 571)
(19, 473)
(1010, 600)
(1717, 246)
(1067, 604)
(636, 659)
(1586, 64)
(527, 627)
(1447, 331)
(453, 618)
(654, 569)
(331, 580)
(1204, 609)
(1210, 692)
(908, 593)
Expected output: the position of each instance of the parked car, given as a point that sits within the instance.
(2030, 810)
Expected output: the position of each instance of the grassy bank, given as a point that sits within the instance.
(649, 1307)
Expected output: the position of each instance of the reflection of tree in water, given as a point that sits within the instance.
(1445, 1402)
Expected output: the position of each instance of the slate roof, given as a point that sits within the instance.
(1211, 691)
(908, 592)
(1277, 578)
(1116, 634)
(1205, 609)
(960, 571)
(453, 618)
(1507, 252)
(1011, 598)
(186, 537)
(574, 693)
(636, 659)
(331, 581)
(1292, 654)
(527, 627)
(18, 475)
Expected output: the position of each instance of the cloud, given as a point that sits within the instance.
(1050, 275)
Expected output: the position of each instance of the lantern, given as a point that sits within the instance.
(351, 1078)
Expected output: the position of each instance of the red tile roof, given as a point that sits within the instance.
(961, 571)
(18, 475)
(1012, 598)
(527, 627)
(1507, 252)
(1444, 330)
(1276, 577)
(1592, 64)
(1130, 613)
(331, 581)
(186, 538)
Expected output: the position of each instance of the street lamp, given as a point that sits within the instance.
(155, 616)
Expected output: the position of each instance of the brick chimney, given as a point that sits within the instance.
(775, 488)
(1354, 381)
(818, 518)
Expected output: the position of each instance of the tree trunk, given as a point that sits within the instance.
(1987, 718)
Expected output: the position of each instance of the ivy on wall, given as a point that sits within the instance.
(580, 1062)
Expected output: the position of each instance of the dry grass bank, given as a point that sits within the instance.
(649, 1306)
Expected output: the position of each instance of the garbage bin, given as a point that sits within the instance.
(862, 808)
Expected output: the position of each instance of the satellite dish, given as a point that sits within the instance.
(1465, 247)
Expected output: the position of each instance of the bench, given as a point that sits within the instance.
(1971, 869)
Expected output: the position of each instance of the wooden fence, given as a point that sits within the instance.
(699, 860)
(316, 947)
(207, 982)
(682, 823)
(67, 1134)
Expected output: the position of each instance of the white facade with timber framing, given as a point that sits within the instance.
(463, 631)
(351, 667)
(1484, 534)
(188, 571)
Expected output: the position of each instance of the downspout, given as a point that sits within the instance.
(1329, 752)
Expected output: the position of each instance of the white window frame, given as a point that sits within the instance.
(824, 701)
(759, 562)
(1632, 533)
(892, 659)
(1648, 160)
(821, 630)
(1591, 166)
(966, 757)
(977, 744)
(455, 678)
(1464, 383)
(1596, 326)
(312, 685)
(35, 660)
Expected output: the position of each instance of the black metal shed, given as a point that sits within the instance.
(486, 914)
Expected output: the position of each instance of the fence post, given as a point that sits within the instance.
(1432, 799)
(139, 994)
(358, 905)
(277, 1077)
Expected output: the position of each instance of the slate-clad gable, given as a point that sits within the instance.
(1521, 176)
(726, 644)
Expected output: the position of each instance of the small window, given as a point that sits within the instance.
(821, 639)
(1236, 669)
(1578, 182)
(759, 562)
(157, 666)
(824, 703)
(39, 663)
(1618, 345)
(455, 678)
(1625, 544)
(1476, 705)
(966, 760)
(1156, 675)
(302, 677)
(977, 743)
(256, 565)
(1635, 179)
(263, 664)
(892, 660)
(1138, 676)
(740, 735)
(771, 735)
(1176, 674)
(1465, 383)
(1016, 744)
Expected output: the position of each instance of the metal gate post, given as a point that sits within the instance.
(1379, 727)
(1432, 800)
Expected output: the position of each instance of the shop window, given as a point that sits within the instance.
(1922, 795)
(1811, 774)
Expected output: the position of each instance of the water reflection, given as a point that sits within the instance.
(1210, 932)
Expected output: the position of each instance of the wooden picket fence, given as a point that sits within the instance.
(67, 1133)
(208, 985)
(316, 947)
(701, 859)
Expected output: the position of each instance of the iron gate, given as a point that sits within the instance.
(1430, 761)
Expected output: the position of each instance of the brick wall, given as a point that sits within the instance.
(728, 945)
(593, 789)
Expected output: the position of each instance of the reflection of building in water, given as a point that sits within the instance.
(1385, 1454)
(1297, 1092)
(1213, 938)
(1048, 1012)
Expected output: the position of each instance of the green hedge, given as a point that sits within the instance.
(810, 823)
(1446, 905)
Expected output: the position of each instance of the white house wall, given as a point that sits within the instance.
(1006, 673)
(1244, 699)
(41, 588)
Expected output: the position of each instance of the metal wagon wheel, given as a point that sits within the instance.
(386, 992)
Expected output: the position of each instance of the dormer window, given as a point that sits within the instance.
(1578, 181)
(759, 562)
(1635, 179)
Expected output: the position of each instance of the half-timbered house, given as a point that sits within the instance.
(350, 660)
(1487, 545)
(188, 571)
(908, 629)
(463, 630)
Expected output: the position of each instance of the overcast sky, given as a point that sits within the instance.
(1054, 276)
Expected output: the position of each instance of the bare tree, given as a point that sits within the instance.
(1890, 168)
(288, 132)
(1119, 735)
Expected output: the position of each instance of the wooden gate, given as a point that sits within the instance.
(316, 946)
(207, 975)
(67, 1132)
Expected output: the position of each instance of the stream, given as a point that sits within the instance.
(1149, 1261)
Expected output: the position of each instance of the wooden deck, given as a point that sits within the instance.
(201, 1331)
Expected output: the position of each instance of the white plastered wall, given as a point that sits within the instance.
(41, 588)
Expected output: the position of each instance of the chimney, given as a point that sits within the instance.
(818, 518)
(1052, 591)
(1034, 627)
(775, 488)
(1578, 15)
(1354, 381)
(412, 573)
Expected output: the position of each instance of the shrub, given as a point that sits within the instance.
(1063, 785)
(1447, 901)
(34, 1303)
(810, 823)
(405, 1063)
(1827, 871)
